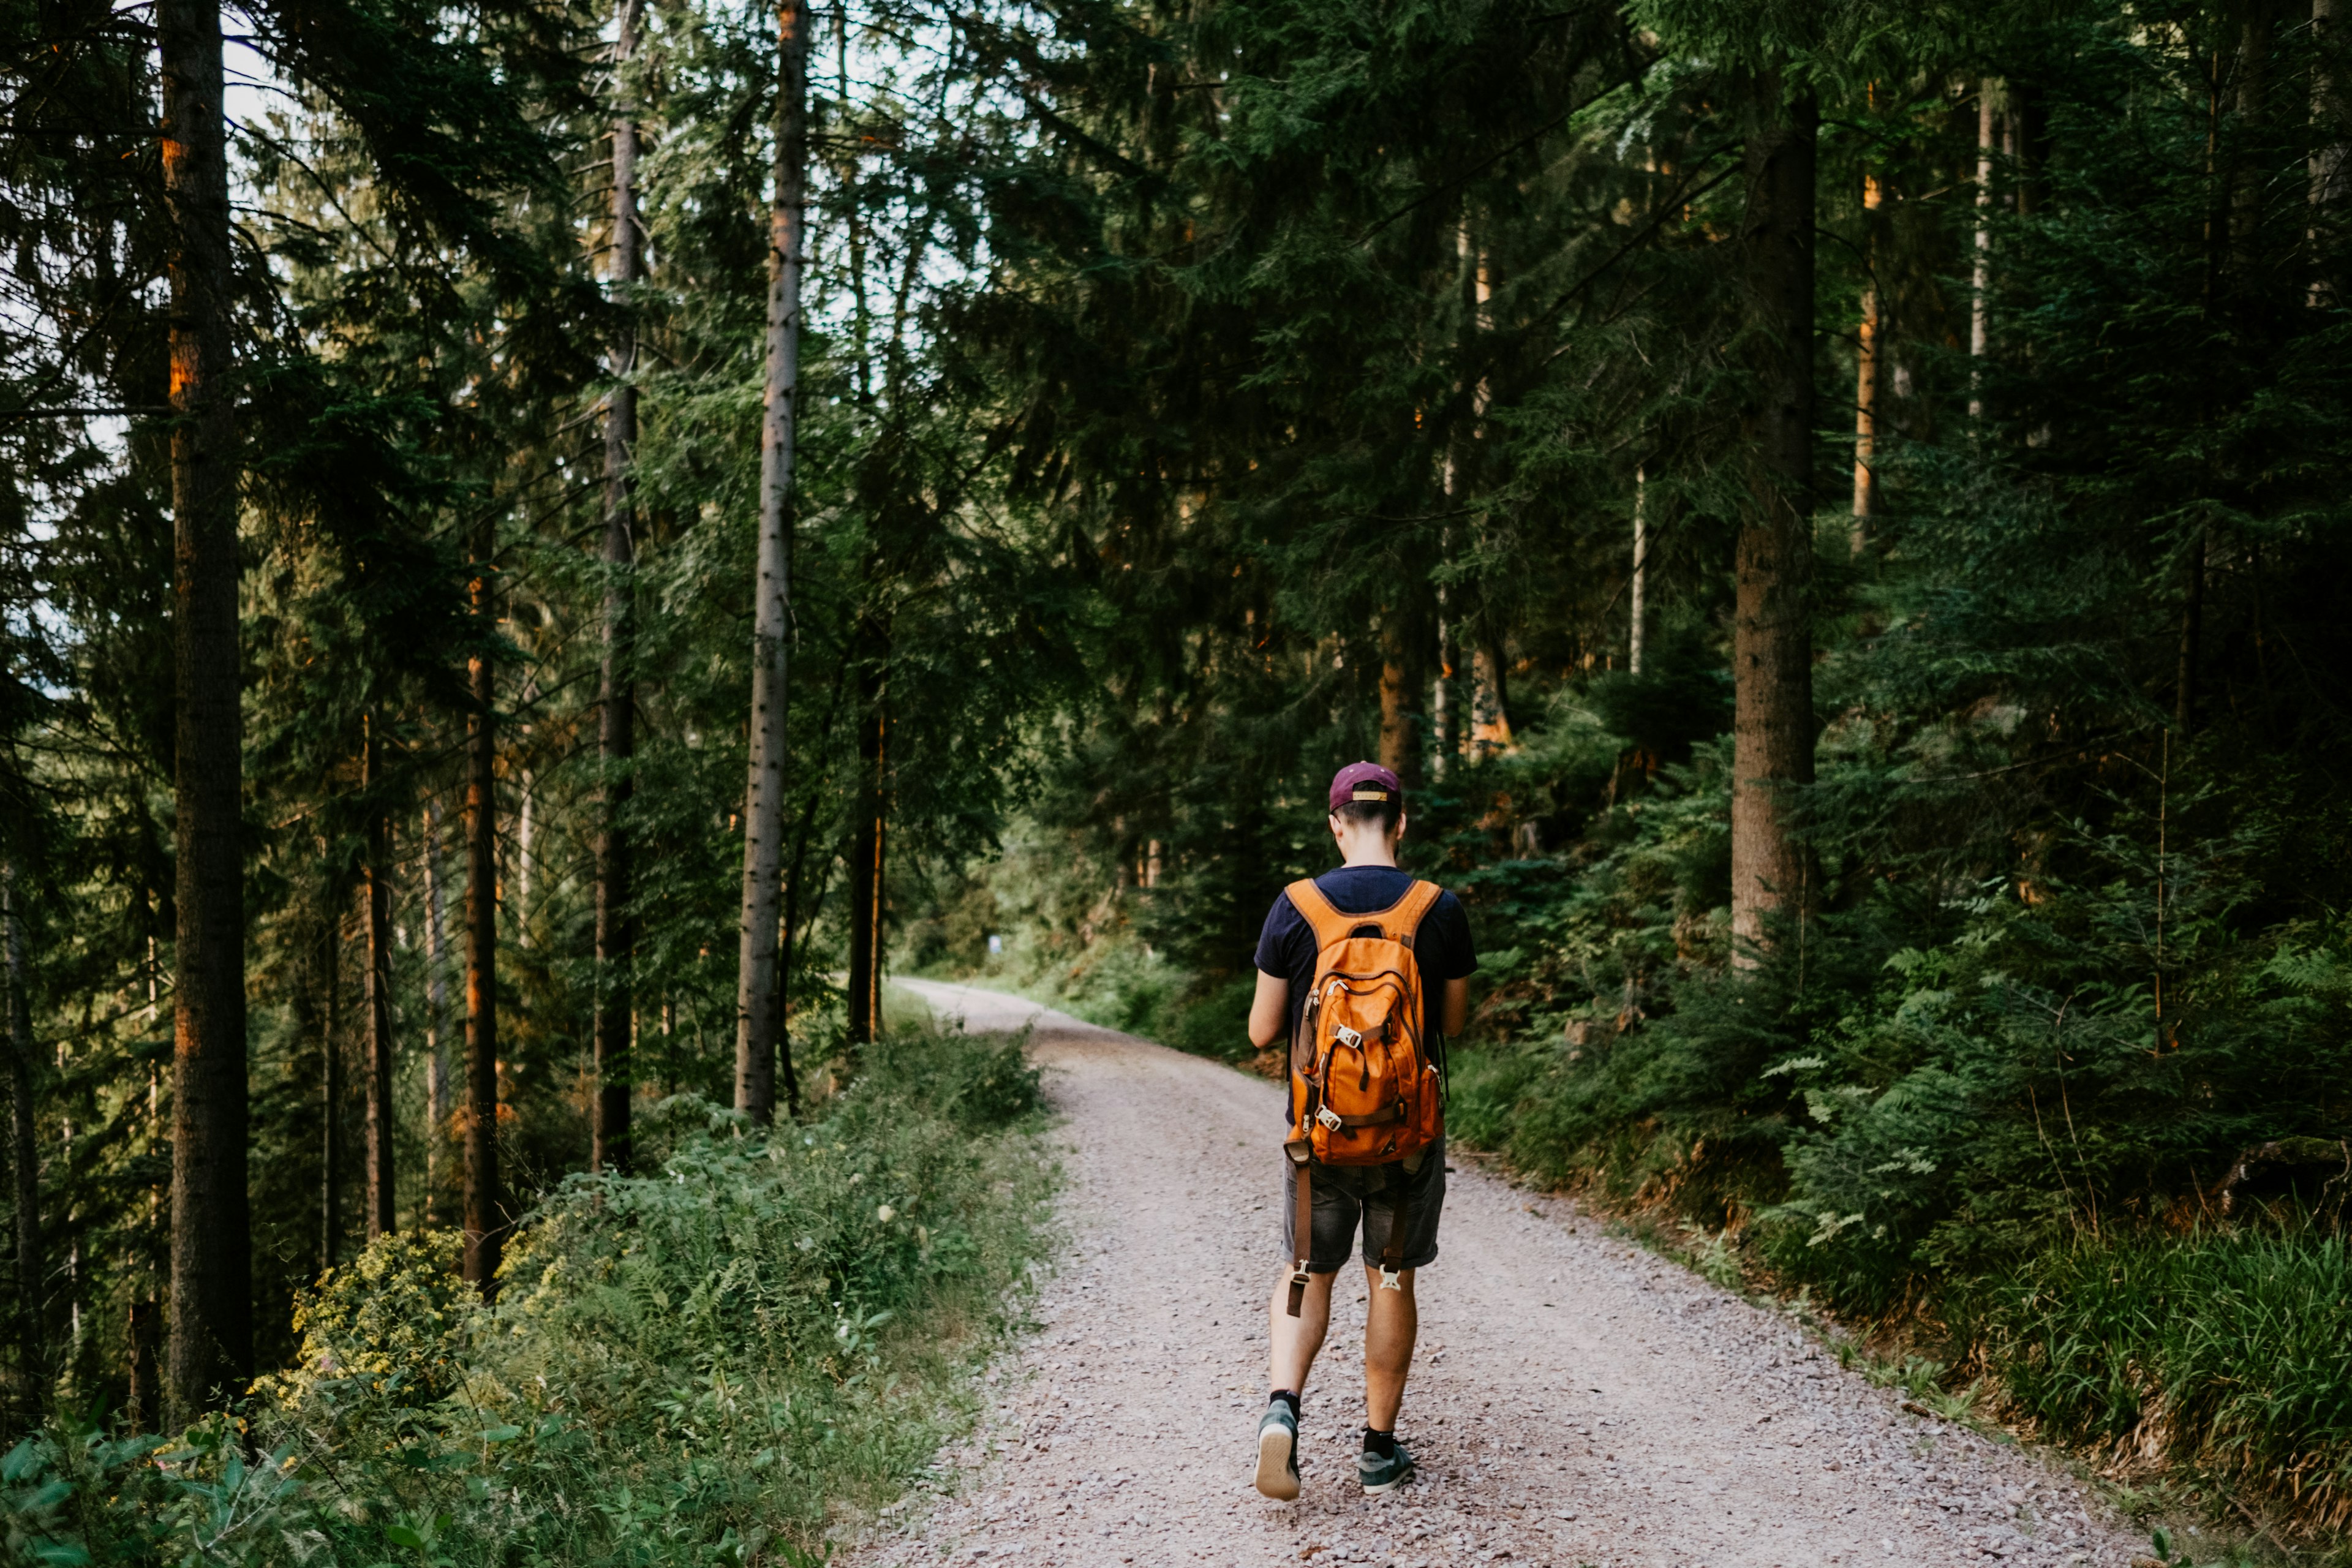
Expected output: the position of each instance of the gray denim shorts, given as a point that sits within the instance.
(1345, 1195)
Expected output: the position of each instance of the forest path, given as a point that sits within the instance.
(1574, 1401)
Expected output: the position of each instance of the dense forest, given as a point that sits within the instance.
(546, 547)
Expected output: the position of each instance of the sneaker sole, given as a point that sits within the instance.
(1277, 1477)
(1373, 1489)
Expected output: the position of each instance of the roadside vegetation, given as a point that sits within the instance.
(764, 1336)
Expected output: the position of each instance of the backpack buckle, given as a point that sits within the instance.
(1351, 1039)
(1330, 1118)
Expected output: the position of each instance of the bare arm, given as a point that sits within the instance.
(1453, 1007)
(1269, 1010)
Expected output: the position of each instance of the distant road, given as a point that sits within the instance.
(1575, 1400)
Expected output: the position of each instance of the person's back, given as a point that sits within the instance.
(1337, 1172)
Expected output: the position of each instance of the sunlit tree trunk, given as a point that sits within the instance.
(212, 1271)
(616, 696)
(1865, 373)
(1490, 696)
(1773, 720)
(1980, 273)
(1637, 639)
(1397, 731)
(1444, 709)
(485, 1225)
(526, 830)
(382, 1219)
(763, 805)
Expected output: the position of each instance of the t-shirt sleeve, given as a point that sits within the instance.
(1280, 922)
(1451, 954)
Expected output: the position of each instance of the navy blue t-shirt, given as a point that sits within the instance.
(1442, 946)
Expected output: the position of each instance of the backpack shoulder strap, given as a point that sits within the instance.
(1404, 917)
(1328, 923)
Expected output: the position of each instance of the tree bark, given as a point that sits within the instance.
(1490, 696)
(485, 1223)
(381, 1218)
(1637, 640)
(436, 1013)
(763, 805)
(868, 866)
(212, 1271)
(1865, 371)
(1980, 273)
(1397, 737)
(1444, 719)
(24, 1145)
(616, 741)
(2328, 151)
(327, 977)
(1772, 724)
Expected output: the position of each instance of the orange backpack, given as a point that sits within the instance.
(1364, 1090)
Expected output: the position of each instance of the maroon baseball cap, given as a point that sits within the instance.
(1365, 781)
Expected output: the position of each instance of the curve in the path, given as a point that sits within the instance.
(1575, 1400)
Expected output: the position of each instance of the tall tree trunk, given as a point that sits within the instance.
(328, 977)
(1981, 274)
(2327, 150)
(1637, 641)
(381, 1218)
(526, 824)
(436, 1013)
(763, 804)
(1772, 644)
(616, 737)
(1445, 708)
(1490, 695)
(211, 1268)
(868, 864)
(1865, 370)
(485, 1223)
(24, 1145)
(1397, 736)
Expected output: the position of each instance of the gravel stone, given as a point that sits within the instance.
(1574, 1400)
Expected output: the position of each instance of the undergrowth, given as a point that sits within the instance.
(2228, 1352)
(710, 1363)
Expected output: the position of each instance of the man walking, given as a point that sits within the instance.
(1364, 971)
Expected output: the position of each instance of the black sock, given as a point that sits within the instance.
(1287, 1397)
(1380, 1443)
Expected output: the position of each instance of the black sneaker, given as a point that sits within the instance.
(1383, 1472)
(1278, 1452)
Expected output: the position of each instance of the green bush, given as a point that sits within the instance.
(704, 1364)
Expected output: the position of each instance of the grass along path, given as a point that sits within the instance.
(1575, 1400)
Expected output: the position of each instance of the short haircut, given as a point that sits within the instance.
(1384, 812)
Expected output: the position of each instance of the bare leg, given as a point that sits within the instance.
(1293, 1342)
(1391, 1325)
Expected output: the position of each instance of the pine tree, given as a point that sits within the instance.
(616, 688)
(757, 1021)
(212, 1331)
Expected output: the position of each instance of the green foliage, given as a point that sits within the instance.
(2228, 1350)
(703, 1364)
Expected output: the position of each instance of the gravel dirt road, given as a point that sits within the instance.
(1574, 1401)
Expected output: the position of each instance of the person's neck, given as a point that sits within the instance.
(1379, 852)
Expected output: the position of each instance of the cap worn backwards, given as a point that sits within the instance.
(1365, 781)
